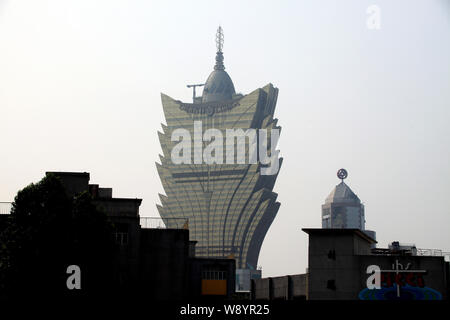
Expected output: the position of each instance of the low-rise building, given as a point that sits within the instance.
(151, 261)
(343, 265)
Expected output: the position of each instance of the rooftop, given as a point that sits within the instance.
(331, 231)
(342, 193)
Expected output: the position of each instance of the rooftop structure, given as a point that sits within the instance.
(343, 208)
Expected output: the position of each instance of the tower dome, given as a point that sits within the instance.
(219, 85)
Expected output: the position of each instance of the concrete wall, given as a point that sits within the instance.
(299, 286)
(333, 263)
(280, 288)
(164, 255)
(261, 289)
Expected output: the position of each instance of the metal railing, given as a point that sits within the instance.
(166, 223)
(5, 207)
(415, 252)
(434, 253)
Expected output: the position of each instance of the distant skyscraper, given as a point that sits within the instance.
(230, 206)
(343, 209)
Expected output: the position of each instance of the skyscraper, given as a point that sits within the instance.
(229, 204)
(343, 209)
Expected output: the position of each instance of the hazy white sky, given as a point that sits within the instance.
(80, 85)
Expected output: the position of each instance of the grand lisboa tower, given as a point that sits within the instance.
(229, 206)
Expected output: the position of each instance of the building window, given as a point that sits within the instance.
(331, 284)
(122, 238)
(121, 234)
(214, 282)
(214, 275)
(332, 254)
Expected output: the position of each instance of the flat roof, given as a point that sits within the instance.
(340, 231)
(117, 200)
(64, 173)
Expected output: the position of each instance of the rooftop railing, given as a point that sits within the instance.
(145, 222)
(5, 207)
(434, 253)
(166, 223)
(415, 252)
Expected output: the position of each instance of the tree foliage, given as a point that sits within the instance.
(46, 232)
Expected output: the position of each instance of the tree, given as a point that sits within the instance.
(46, 232)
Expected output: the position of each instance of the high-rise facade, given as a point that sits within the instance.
(229, 205)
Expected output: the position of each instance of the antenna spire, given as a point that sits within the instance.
(219, 54)
(219, 39)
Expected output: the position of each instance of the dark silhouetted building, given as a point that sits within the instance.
(151, 261)
(342, 262)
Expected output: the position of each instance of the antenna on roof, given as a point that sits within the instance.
(342, 174)
(219, 45)
(219, 39)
